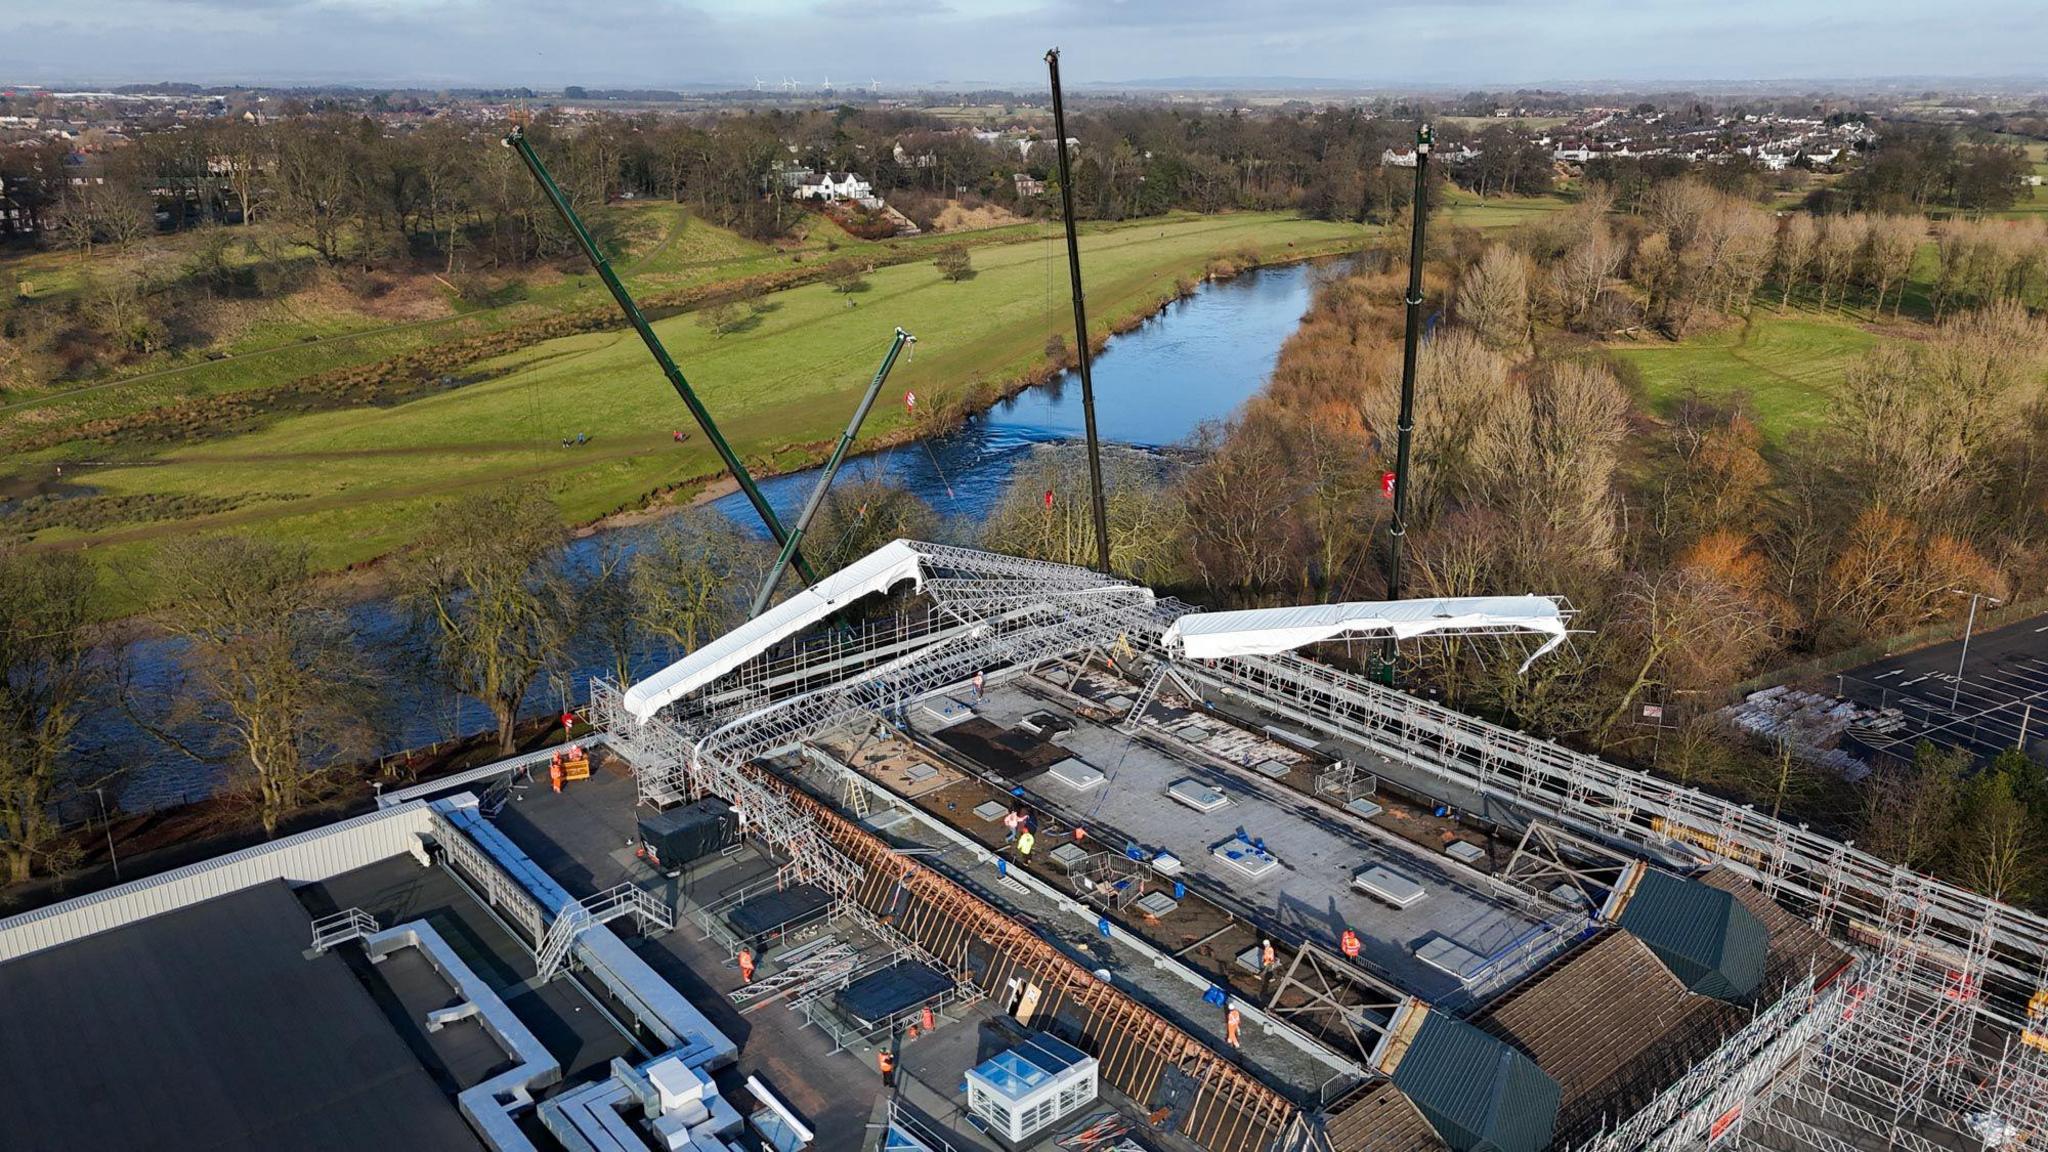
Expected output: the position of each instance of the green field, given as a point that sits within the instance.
(351, 484)
(1789, 364)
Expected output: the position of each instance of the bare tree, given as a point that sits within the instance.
(1796, 240)
(486, 583)
(693, 576)
(272, 672)
(1046, 512)
(1909, 810)
(47, 677)
(1493, 298)
(1687, 629)
(1892, 243)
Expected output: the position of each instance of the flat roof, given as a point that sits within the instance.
(209, 1029)
(1319, 850)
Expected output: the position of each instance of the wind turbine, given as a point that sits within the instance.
(874, 86)
(757, 83)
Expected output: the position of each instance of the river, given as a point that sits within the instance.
(1197, 360)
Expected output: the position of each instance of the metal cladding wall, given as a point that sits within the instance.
(302, 859)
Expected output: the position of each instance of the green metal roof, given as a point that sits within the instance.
(1713, 944)
(1478, 1092)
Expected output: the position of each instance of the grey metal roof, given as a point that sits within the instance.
(1708, 939)
(1478, 1092)
(207, 1028)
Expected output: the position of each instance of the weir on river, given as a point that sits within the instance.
(1198, 360)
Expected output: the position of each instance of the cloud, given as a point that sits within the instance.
(674, 43)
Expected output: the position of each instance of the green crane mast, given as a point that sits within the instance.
(516, 140)
(817, 498)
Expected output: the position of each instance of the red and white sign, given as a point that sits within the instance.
(1387, 485)
(1048, 498)
(910, 401)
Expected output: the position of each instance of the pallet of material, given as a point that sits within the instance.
(1389, 886)
(1364, 807)
(1197, 795)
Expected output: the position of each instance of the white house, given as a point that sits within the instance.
(1398, 158)
(834, 186)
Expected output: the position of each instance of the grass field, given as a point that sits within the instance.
(1789, 364)
(351, 484)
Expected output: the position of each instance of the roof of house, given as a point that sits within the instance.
(1708, 939)
(208, 1028)
(1381, 1120)
(1796, 948)
(1609, 1021)
(1476, 1090)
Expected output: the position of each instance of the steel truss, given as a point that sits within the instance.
(1549, 857)
(1324, 994)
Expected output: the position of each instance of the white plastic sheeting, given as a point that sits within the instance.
(1266, 631)
(878, 571)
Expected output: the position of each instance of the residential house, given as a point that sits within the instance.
(1028, 185)
(916, 160)
(834, 186)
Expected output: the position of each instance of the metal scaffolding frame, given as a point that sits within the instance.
(1929, 1034)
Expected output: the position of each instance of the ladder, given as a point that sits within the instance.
(825, 965)
(1145, 698)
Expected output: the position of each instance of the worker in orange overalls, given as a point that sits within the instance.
(885, 1061)
(746, 966)
(555, 771)
(930, 1024)
(1266, 957)
(1349, 942)
(1231, 1020)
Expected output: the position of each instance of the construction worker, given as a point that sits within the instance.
(1231, 1021)
(1024, 842)
(555, 772)
(1349, 942)
(885, 1061)
(746, 959)
(1266, 957)
(978, 682)
(568, 722)
(1013, 823)
(931, 1022)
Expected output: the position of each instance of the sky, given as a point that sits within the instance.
(905, 43)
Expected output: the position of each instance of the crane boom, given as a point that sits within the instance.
(516, 140)
(817, 498)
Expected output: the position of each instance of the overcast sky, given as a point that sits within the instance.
(664, 43)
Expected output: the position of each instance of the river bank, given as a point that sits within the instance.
(1194, 358)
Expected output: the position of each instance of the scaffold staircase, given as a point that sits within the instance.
(623, 900)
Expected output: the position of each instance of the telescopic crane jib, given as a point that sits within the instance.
(1059, 128)
(1405, 429)
(516, 140)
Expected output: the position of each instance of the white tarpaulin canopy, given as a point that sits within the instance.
(878, 571)
(1265, 631)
